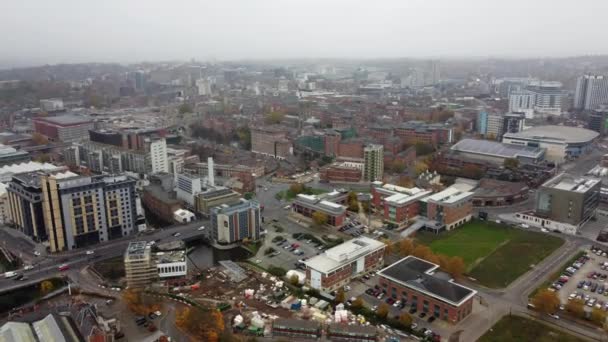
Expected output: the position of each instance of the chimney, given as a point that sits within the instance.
(210, 177)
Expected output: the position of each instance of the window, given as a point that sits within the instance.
(88, 199)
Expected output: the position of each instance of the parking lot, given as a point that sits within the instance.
(589, 283)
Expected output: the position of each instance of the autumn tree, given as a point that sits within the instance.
(456, 266)
(421, 251)
(39, 139)
(365, 207)
(294, 280)
(405, 319)
(598, 316)
(472, 171)
(546, 301)
(444, 261)
(406, 181)
(420, 167)
(296, 188)
(274, 117)
(357, 303)
(382, 311)
(388, 247)
(511, 163)
(46, 287)
(340, 296)
(406, 247)
(202, 325)
(185, 108)
(576, 307)
(319, 218)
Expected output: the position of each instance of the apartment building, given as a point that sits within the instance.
(373, 168)
(235, 222)
(450, 208)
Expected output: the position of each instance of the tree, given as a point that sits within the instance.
(46, 287)
(546, 301)
(353, 206)
(406, 181)
(472, 171)
(406, 247)
(420, 167)
(202, 325)
(382, 311)
(277, 271)
(294, 280)
(43, 158)
(274, 117)
(39, 139)
(511, 163)
(296, 188)
(388, 247)
(456, 266)
(365, 207)
(405, 319)
(319, 218)
(397, 166)
(444, 261)
(421, 251)
(185, 108)
(357, 303)
(340, 296)
(423, 149)
(576, 307)
(598, 316)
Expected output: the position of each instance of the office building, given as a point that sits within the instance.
(66, 128)
(338, 265)
(232, 223)
(561, 143)
(157, 154)
(398, 204)
(71, 211)
(513, 123)
(215, 197)
(307, 205)
(568, 199)
(373, 158)
(10, 156)
(494, 126)
(522, 101)
(160, 198)
(598, 121)
(341, 172)
(187, 187)
(140, 269)
(413, 132)
(51, 105)
(482, 123)
(271, 142)
(591, 92)
(449, 208)
(547, 97)
(421, 284)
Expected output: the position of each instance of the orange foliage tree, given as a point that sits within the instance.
(202, 325)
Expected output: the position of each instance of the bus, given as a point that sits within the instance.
(64, 267)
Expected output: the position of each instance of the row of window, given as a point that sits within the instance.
(171, 269)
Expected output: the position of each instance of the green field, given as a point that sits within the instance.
(495, 254)
(516, 329)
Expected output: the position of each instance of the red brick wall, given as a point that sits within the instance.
(453, 214)
(332, 142)
(340, 174)
(454, 314)
(350, 149)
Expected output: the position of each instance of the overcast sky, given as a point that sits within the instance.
(61, 31)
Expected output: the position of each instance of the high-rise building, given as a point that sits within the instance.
(482, 122)
(522, 101)
(139, 79)
(591, 92)
(71, 211)
(598, 121)
(157, 154)
(373, 169)
(513, 123)
(140, 269)
(187, 187)
(232, 223)
(548, 97)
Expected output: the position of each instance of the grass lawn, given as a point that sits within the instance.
(495, 254)
(515, 329)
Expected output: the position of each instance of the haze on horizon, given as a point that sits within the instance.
(71, 31)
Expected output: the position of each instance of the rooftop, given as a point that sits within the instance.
(492, 148)
(65, 120)
(137, 250)
(231, 208)
(403, 198)
(341, 254)
(566, 134)
(419, 275)
(317, 202)
(489, 187)
(568, 182)
(450, 195)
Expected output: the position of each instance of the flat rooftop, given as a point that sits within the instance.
(401, 198)
(450, 195)
(137, 250)
(342, 254)
(568, 182)
(496, 149)
(317, 202)
(565, 134)
(418, 275)
(66, 120)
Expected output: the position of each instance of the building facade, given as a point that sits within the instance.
(271, 142)
(522, 101)
(307, 205)
(338, 265)
(344, 172)
(373, 159)
(591, 92)
(450, 208)
(215, 197)
(140, 269)
(416, 282)
(232, 223)
(66, 128)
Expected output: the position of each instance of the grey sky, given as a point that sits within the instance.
(54, 31)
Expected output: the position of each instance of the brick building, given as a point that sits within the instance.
(271, 141)
(421, 284)
(351, 149)
(159, 198)
(341, 172)
(451, 207)
(413, 136)
(337, 266)
(307, 205)
(332, 143)
(66, 128)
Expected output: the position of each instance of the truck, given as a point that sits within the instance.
(10, 274)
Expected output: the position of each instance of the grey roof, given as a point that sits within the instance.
(417, 274)
(368, 330)
(567, 134)
(295, 323)
(497, 149)
(67, 119)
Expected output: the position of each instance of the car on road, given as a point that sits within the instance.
(18, 277)
(201, 228)
(36, 253)
(28, 267)
(422, 315)
(177, 234)
(90, 252)
(64, 267)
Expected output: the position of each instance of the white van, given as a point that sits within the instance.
(525, 226)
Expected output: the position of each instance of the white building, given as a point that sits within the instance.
(548, 97)
(204, 86)
(51, 105)
(183, 216)
(171, 264)
(158, 156)
(522, 101)
(591, 92)
(187, 187)
(494, 125)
